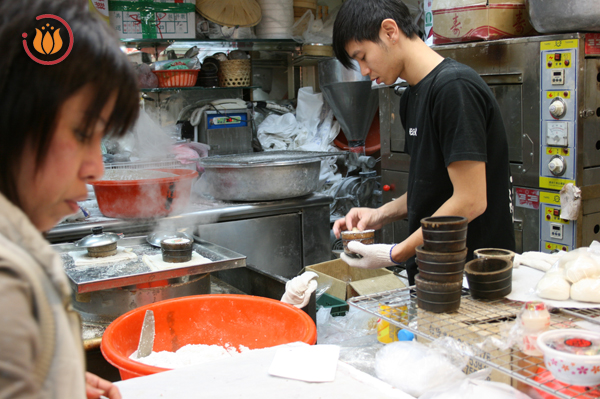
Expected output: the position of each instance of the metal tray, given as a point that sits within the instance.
(474, 323)
(91, 278)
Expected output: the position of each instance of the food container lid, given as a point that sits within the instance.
(155, 238)
(267, 158)
(98, 238)
(571, 341)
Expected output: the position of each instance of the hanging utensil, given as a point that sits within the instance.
(147, 336)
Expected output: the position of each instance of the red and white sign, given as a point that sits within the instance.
(592, 43)
(527, 198)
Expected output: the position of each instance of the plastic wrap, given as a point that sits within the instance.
(574, 266)
(415, 368)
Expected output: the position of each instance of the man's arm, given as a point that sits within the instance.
(469, 199)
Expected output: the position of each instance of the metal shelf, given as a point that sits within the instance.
(195, 88)
(474, 323)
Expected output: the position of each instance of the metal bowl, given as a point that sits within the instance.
(154, 239)
(555, 16)
(261, 176)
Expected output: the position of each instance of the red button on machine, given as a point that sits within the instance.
(386, 188)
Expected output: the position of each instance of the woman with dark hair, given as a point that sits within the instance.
(54, 116)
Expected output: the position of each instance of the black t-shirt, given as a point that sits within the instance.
(451, 115)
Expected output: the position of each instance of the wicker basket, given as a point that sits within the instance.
(234, 73)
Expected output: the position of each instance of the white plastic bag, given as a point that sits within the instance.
(414, 368)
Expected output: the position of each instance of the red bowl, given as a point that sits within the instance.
(147, 198)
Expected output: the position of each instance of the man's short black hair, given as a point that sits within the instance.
(359, 20)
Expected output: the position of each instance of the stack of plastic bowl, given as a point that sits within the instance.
(441, 263)
(277, 19)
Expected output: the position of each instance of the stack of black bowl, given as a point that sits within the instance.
(441, 262)
(208, 75)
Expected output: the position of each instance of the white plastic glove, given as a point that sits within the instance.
(298, 289)
(374, 256)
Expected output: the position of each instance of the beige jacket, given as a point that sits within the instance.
(41, 353)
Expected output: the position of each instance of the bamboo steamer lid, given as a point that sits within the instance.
(243, 13)
(318, 49)
(305, 3)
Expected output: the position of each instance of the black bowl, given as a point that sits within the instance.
(437, 307)
(439, 297)
(445, 246)
(494, 294)
(444, 223)
(452, 277)
(441, 267)
(437, 286)
(488, 269)
(444, 235)
(440, 257)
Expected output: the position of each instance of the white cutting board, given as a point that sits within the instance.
(246, 377)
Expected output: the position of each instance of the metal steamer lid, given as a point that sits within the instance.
(266, 158)
(98, 239)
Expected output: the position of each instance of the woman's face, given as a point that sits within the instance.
(72, 161)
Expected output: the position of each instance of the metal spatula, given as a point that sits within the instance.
(147, 336)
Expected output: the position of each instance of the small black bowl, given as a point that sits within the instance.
(441, 257)
(441, 267)
(494, 294)
(445, 246)
(444, 223)
(444, 235)
(437, 286)
(437, 307)
(439, 297)
(452, 277)
(488, 269)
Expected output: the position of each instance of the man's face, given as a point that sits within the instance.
(374, 60)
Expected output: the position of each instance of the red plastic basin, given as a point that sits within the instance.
(221, 319)
(145, 198)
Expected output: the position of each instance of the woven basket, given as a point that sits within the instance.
(233, 73)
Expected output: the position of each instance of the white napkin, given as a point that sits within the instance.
(298, 289)
(81, 258)
(155, 262)
(315, 363)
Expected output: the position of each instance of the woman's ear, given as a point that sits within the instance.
(389, 31)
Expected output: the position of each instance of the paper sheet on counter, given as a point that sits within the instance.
(246, 377)
(81, 258)
(525, 280)
(155, 262)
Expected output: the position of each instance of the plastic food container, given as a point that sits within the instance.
(572, 355)
(145, 198)
(252, 321)
(177, 77)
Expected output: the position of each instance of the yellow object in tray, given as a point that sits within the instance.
(387, 332)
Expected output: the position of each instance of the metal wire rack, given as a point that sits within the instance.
(477, 325)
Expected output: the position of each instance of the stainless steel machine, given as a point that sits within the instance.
(548, 88)
(354, 103)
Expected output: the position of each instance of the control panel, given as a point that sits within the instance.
(558, 113)
(555, 233)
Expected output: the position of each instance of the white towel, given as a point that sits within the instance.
(537, 260)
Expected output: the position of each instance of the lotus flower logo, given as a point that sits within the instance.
(50, 43)
(48, 40)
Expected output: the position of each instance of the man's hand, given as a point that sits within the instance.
(95, 387)
(361, 218)
(374, 256)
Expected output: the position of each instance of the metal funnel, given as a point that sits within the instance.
(351, 98)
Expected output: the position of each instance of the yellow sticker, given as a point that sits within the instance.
(554, 183)
(553, 215)
(558, 60)
(557, 151)
(549, 198)
(559, 44)
(562, 94)
(550, 246)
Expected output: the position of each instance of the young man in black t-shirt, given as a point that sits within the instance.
(454, 135)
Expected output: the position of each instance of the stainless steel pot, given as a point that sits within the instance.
(554, 16)
(261, 176)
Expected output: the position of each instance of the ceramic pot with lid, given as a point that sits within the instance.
(99, 244)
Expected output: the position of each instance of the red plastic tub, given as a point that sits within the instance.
(252, 321)
(148, 198)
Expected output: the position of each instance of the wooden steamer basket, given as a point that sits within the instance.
(235, 73)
